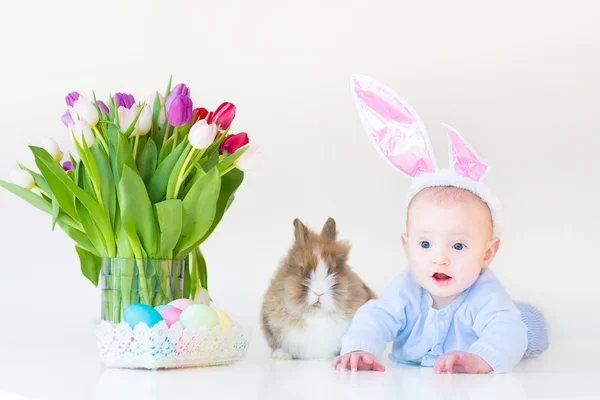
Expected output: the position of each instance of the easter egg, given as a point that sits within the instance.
(198, 315)
(136, 313)
(224, 320)
(182, 304)
(170, 315)
(159, 308)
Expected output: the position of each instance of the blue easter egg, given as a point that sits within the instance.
(136, 313)
(159, 308)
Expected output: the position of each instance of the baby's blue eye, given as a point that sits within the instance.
(425, 244)
(458, 246)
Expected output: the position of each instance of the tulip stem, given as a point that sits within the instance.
(42, 191)
(175, 139)
(135, 146)
(166, 134)
(180, 178)
(99, 136)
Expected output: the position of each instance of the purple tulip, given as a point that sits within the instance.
(67, 119)
(72, 98)
(180, 112)
(178, 90)
(67, 165)
(103, 106)
(124, 100)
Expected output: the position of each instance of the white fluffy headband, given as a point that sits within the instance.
(400, 138)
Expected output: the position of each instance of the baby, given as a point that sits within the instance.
(447, 311)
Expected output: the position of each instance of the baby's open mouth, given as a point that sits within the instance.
(441, 278)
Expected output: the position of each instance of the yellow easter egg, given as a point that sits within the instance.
(224, 320)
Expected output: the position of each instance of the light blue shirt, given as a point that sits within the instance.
(482, 320)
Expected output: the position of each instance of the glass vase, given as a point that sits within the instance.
(126, 281)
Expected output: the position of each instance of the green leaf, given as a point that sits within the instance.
(146, 162)
(63, 195)
(176, 171)
(229, 185)
(124, 249)
(197, 173)
(229, 160)
(199, 208)
(124, 157)
(187, 278)
(79, 237)
(136, 210)
(166, 148)
(107, 183)
(38, 202)
(90, 265)
(157, 189)
(211, 162)
(57, 178)
(169, 214)
(168, 91)
(91, 228)
(195, 274)
(202, 271)
(156, 109)
(55, 211)
(91, 167)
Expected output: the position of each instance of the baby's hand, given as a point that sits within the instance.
(458, 361)
(358, 360)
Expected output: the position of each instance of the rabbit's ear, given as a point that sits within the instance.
(300, 232)
(329, 230)
(394, 128)
(463, 157)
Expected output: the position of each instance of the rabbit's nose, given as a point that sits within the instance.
(318, 294)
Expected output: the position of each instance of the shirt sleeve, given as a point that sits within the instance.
(502, 335)
(378, 321)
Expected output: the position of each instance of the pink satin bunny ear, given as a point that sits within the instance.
(394, 127)
(463, 157)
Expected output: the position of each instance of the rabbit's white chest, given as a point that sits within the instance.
(319, 338)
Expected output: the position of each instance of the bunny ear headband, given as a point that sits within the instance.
(400, 138)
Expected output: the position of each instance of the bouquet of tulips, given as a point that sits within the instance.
(151, 179)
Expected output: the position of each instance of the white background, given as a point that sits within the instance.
(519, 79)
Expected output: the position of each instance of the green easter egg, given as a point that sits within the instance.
(198, 315)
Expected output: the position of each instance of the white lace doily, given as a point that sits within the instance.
(174, 347)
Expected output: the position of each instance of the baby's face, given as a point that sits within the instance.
(448, 241)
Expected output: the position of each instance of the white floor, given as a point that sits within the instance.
(52, 369)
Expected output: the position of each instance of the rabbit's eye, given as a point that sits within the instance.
(300, 268)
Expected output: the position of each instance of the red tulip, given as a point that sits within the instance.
(223, 115)
(232, 143)
(199, 114)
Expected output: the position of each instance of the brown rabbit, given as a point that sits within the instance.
(313, 296)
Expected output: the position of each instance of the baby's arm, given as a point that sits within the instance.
(501, 332)
(374, 325)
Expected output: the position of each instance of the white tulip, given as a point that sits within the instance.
(82, 131)
(51, 147)
(86, 111)
(251, 157)
(201, 135)
(144, 122)
(202, 296)
(126, 117)
(22, 178)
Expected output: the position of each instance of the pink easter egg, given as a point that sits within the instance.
(182, 304)
(170, 315)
